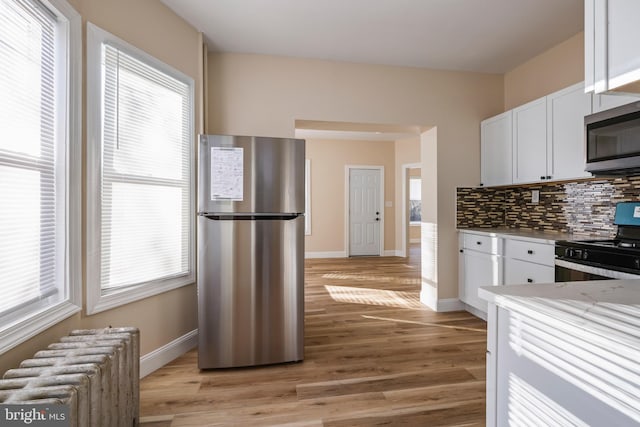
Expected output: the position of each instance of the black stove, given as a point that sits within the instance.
(621, 254)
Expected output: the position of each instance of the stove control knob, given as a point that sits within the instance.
(577, 254)
(568, 253)
(585, 254)
(636, 263)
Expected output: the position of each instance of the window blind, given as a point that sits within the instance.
(31, 216)
(145, 203)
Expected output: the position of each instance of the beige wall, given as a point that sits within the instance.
(152, 27)
(264, 95)
(554, 69)
(328, 160)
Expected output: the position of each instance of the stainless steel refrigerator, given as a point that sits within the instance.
(250, 250)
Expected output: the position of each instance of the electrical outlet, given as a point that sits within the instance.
(535, 196)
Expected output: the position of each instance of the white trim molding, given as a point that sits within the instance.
(159, 357)
(429, 297)
(307, 197)
(450, 304)
(392, 252)
(474, 311)
(405, 200)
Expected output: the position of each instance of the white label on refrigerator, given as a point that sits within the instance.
(227, 170)
(636, 212)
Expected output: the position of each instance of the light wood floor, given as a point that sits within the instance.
(373, 356)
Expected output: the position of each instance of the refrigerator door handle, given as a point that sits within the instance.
(250, 217)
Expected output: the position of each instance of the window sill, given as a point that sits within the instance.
(35, 324)
(116, 298)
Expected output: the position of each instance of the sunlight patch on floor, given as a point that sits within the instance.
(368, 296)
(367, 278)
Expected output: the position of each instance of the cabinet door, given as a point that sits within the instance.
(623, 50)
(565, 132)
(530, 142)
(517, 272)
(612, 53)
(480, 269)
(495, 150)
(606, 102)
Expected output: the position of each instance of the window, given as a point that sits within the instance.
(307, 197)
(141, 181)
(415, 200)
(40, 80)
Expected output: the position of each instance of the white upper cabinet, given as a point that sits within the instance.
(530, 142)
(612, 51)
(565, 132)
(495, 150)
(603, 102)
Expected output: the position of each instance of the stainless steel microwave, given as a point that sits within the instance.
(613, 141)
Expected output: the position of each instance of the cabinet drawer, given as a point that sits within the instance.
(482, 243)
(540, 253)
(517, 272)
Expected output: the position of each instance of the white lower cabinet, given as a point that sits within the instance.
(528, 262)
(480, 264)
(487, 259)
(517, 272)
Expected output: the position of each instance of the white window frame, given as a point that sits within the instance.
(414, 223)
(97, 299)
(307, 197)
(70, 102)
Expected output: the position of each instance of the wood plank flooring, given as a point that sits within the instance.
(373, 356)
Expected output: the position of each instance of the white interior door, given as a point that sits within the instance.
(365, 215)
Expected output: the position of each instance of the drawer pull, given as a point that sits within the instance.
(529, 280)
(478, 243)
(530, 251)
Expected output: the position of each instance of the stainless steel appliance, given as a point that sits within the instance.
(250, 251)
(613, 140)
(603, 259)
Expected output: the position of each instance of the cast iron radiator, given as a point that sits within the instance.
(94, 372)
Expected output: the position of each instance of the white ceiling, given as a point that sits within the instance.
(491, 36)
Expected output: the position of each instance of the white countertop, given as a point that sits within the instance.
(549, 237)
(611, 307)
(577, 341)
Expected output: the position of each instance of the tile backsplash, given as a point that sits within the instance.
(582, 207)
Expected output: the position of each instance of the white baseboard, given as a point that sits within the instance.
(429, 297)
(392, 252)
(475, 312)
(159, 357)
(450, 304)
(336, 254)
